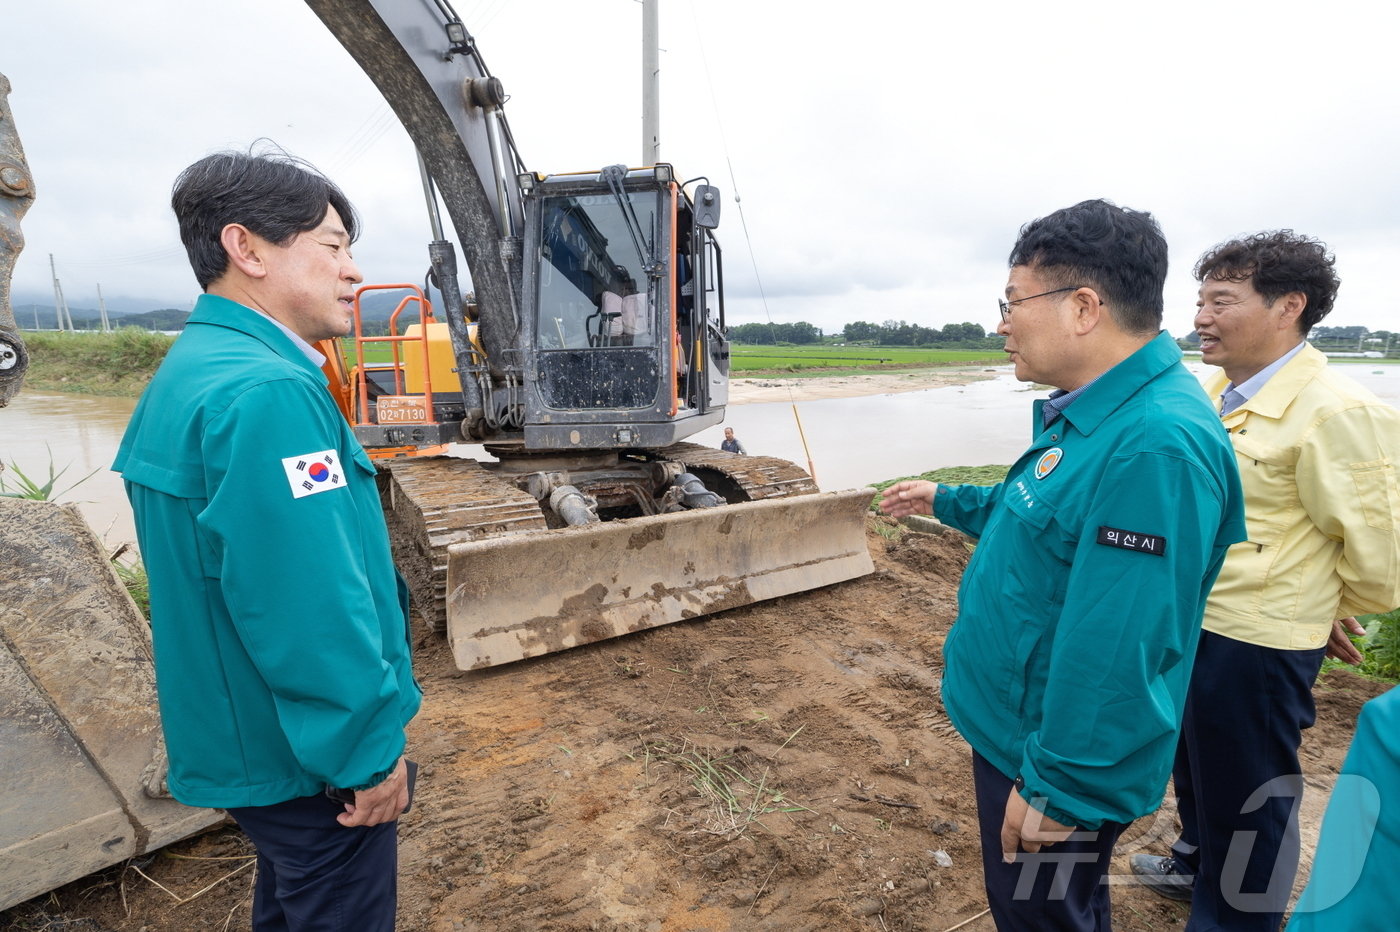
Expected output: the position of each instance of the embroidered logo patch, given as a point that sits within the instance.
(1154, 544)
(1048, 461)
(313, 472)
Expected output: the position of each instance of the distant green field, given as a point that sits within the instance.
(794, 358)
(374, 352)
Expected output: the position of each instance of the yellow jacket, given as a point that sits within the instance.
(1318, 456)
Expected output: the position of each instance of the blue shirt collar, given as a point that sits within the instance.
(1235, 395)
(311, 352)
(1113, 388)
(1059, 400)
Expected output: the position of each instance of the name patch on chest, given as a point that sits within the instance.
(313, 472)
(1154, 544)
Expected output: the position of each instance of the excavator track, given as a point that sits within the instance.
(433, 502)
(760, 477)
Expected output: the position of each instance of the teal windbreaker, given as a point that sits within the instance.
(278, 619)
(1080, 610)
(1360, 841)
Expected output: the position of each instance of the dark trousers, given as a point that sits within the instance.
(315, 875)
(1058, 889)
(1238, 786)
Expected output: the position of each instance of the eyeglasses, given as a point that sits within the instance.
(1006, 306)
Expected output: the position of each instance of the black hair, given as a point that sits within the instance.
(1119, 252)
(1276, 263)
(272, 193)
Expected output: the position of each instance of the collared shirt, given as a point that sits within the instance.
(317, 359)
(1059, 400)
(1318, 455)
(1080, 610)
(1235, 395)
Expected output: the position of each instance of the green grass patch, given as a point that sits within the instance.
(1380, 647)
(948, 475)
(138, 586)
(841, 360)
(956, 475)
(117, 363)
(1383, 642)
(378, 353)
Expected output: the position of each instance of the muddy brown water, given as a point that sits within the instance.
(849, 441)
(80, 435)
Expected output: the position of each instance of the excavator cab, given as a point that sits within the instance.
(622, 278)
(623, 343)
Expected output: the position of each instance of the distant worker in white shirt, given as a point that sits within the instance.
(731, 443)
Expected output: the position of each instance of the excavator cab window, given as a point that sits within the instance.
(593, 287)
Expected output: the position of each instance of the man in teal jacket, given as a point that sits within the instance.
(1078, 615)
(278, 619)
(1360, 841)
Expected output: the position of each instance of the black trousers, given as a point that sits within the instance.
(1238, 785)
(315, 875)
(1058, 889)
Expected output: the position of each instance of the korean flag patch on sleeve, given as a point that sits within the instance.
(313, 472)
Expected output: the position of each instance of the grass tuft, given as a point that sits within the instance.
(734, 800)
(22, 486)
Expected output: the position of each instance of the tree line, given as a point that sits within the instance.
(890, 333)
(1354, 339)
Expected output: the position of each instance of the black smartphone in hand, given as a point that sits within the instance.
(342, 795)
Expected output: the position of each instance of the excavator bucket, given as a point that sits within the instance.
(535, 592)
(83, 763)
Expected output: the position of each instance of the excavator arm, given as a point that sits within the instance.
(422, 59)
(16, 194)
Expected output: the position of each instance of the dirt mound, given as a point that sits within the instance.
(784, 766)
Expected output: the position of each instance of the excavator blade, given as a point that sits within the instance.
(536, 592)
(83, 763)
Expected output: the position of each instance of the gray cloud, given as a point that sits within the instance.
(885, 155)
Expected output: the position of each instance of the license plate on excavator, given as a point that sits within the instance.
(401, 409)
(536, 592)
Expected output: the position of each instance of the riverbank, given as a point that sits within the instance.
(817, 388)
(117, 364)
(120, 364)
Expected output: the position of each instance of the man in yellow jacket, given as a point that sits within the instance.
(1317, 455)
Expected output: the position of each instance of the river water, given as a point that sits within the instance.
(849, 441)
(856, 441)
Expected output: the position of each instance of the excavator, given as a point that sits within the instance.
(591, 345)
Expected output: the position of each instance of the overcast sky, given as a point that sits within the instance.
(885, 153)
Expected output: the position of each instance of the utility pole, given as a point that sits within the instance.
(651, 85)
(102, 310)
(60, 306)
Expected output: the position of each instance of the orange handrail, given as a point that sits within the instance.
(425, 317)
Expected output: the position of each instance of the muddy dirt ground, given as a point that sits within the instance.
(784, 766)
